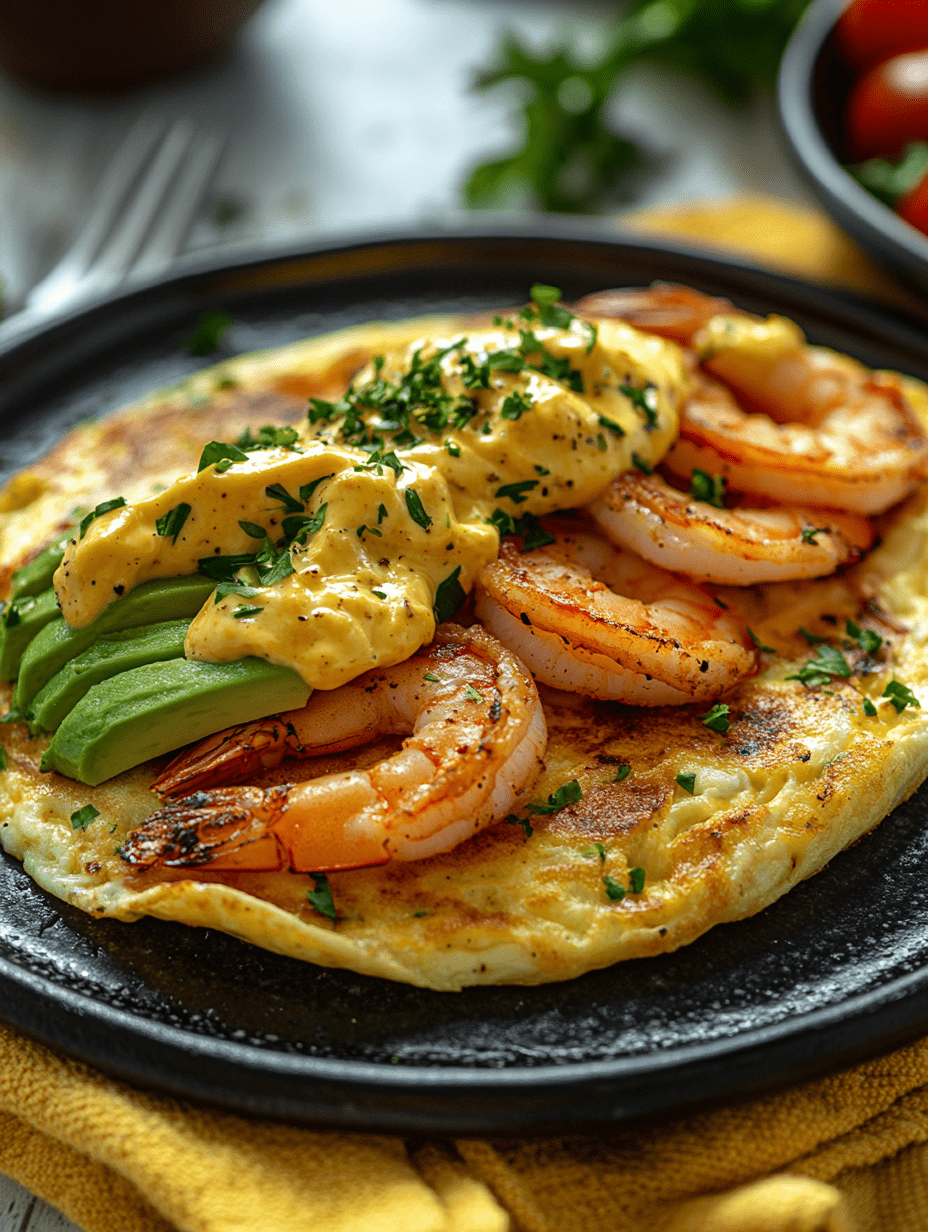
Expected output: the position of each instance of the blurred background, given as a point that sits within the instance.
(364, 115)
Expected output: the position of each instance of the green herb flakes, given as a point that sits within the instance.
(868, 641)
(416, 510)
(869, 708)
(208, 333)
(900, 696)
(717, 719)
(760, 646)
(172, 523)
(826, 664)
(515, 404)
(687, 780)
(104, 507)
(320, 898)
(643, 466)
(569, 793)
(471, 694)
(216, 452)
(636, 876)
(449, 596)
(516, 492)
(612, 425)
(241, 613)
(809, 532)
(598, 849)
(708, 488)
(81, 819)
(614, 892)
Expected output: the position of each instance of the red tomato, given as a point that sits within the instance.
(888, 107)
(914, 206)
(873, 30)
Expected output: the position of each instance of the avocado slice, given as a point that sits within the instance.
(111, 653)
(162, 599)
(154, 709)
(37, 575)
(20, 623)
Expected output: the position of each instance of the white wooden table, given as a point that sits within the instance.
(341, 116)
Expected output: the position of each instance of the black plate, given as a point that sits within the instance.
(832, 973)
(812, 90)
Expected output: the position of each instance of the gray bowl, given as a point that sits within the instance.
(811, 92)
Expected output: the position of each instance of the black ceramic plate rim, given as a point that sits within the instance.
(841, 191)
(848, 1030)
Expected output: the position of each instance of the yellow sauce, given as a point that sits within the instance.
(397, 523)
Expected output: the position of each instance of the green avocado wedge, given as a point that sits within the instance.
(110, 654)
(50, 650)
(19, 625)
(160, 707)
(37, 576)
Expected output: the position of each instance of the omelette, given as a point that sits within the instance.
(641, 825)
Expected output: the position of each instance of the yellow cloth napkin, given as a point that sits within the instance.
(848, 1153)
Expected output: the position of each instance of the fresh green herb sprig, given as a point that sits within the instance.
(570, 159)
(826, 664)
(320, 898)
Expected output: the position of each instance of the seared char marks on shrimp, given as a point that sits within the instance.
(477, 738)
(741, 546)
(810, 426)
(590, 618)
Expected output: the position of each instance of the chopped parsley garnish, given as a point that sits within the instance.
(549, 312)
(224, 568)
(717, 719)
(820, 670)
(687, 780)
(605, 422)
(381, 513)
(241, 612)
(809, 532)
(636, 876)
(274, 566)
(431, 678)
(208, 332)
(516, 492)
(708, 488)
(299, 526)
(81, 819)
(453, 448)
(757, 642)
(320, 898)
(569, 793)
(515, 404)
(524, 822)
(474, 375)
(288, 503)
(542, 470)
(532, 532)
(381, 594)
(218, 452)
(622, 774)
(643, 466)
(449, 596)
(471, 694)
(2, 759)
(505, 361)
(370, 530)
(601, 443)
(170, 526)
(812, 638)
(253, 530)
(614, 892)
(643, 399)
(868, 641)
(233, 588)
(598, 849)
(269, 437)
(104, 507)
(900, 696)
(416, 510)
(307, 489)
(869, 708)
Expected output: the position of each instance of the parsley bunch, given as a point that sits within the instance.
(570, 160)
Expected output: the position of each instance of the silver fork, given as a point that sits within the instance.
(145, 204)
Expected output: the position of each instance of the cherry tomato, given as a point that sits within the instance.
(873, 30)
(914, 206)
(888, 107)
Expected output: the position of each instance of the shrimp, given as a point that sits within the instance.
(478, 737)
(733, 547)
(590, 618)
(812, 427)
